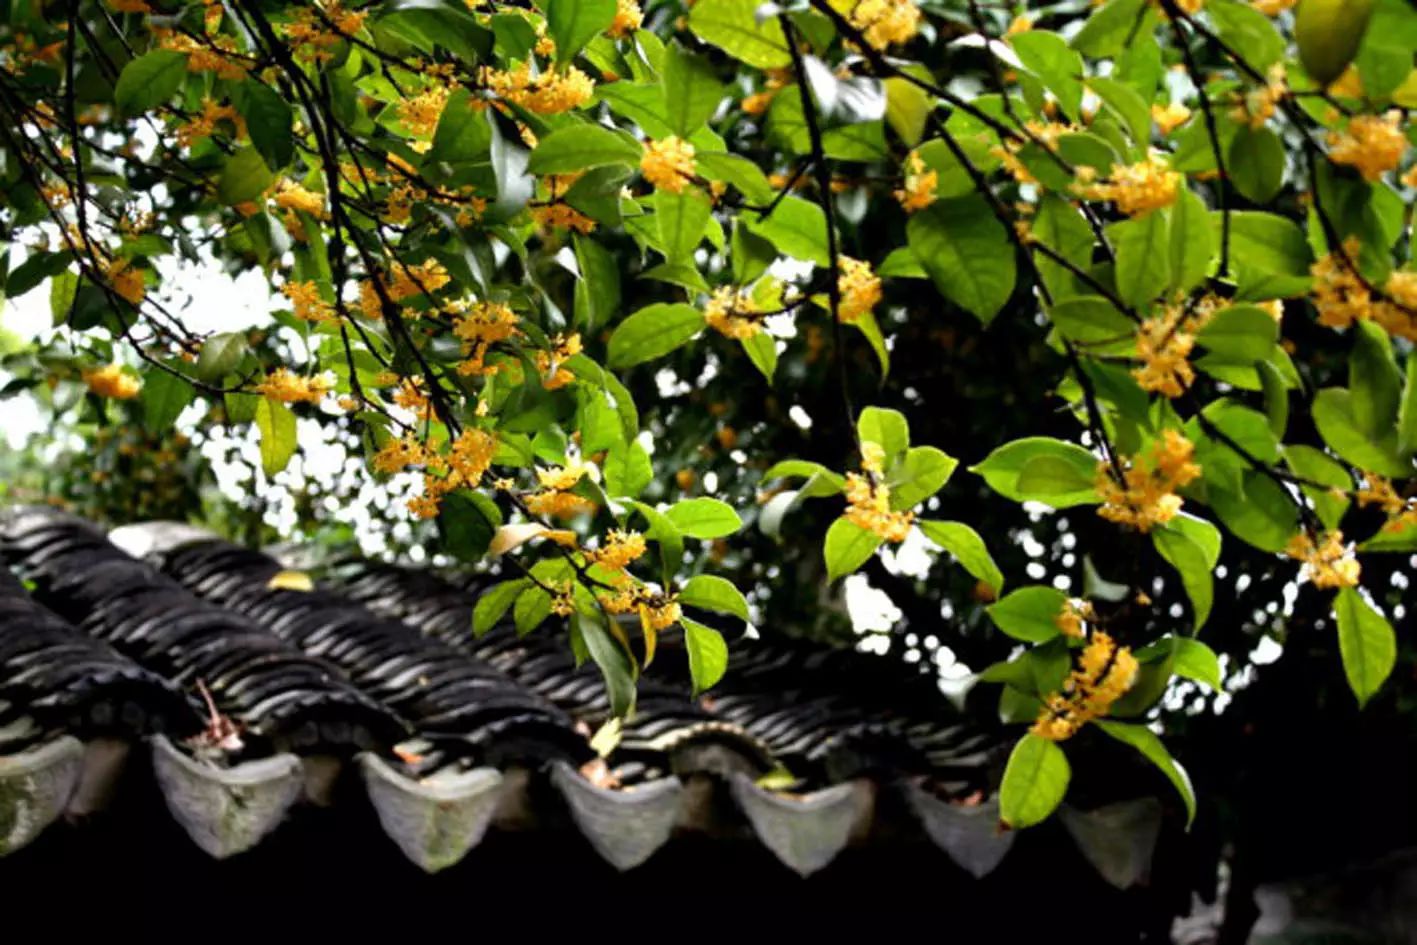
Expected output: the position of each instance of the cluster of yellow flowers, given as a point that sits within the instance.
(126, 279)
(1257, 106)
(113, 382)
(1074, 614)
(1164, 344)
(1136, 189)
(548, 93)
(1342, 297)
(620, 549)
(1328, 562)
(317, 29)
(555, 215)
(884, 22)
(411, 397)
(1169, 117)
(628, 17)
(551, 364)
(1401, 512)
(555, 499)
(290, 195)
(1147, 496)
(203, 125)
(668, 164)
(1373, 145)
(469, 457)
(420, 114)
(868, 499)
(1273, 7)
(408, 281)
(758, 102)
(860, 289)
(288, 387)
(217, 55)
(917, 191)
(732, 313)
(1044, 134)
(479, 327)
(307, 303)
(1104, 673)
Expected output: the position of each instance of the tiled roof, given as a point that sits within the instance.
(376, 669)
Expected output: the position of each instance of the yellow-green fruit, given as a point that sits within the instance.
(1328, 33)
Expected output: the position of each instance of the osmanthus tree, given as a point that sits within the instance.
(569, 261)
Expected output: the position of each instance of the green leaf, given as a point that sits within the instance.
(1145, 741)
(1030, 613)
(682, 220)
(967, 252)
(245, 177)
(1255, 163)
(1127, 104)
(733, 26)
(736, 170)
(886, 428)
(269, 121)
(1045, 476)
(1195, 660)
(277, 426)
(494, 603)
(1249, 31)
(708, 654)
(1374, 382)
(1276, 398)
(1269, 253)
(1094, 321)
(615, 664)
(164, 397)
(1335, 418)
(1061, 227)
(796, 227)
(1366, 642)
(1243, 333)
(653, 332)
(924, 471)
(628, 470)
(1193, 242)
(662, 530)
(63, 287)
(466, 522)
(1317, 466)
(968, 548)
(1189, 560)
(907, 106)
(599, 285)
(532, 608)
(581, 146)
(573, 23)
(1035, 780)
(1060, 68)
(762, 351)
(691, 92)
(704, 518)
(807, 470)
(1111, 27)
(149, 80)
(711, 592)
(847, 547)
(1261, 513)
(1003, 467)
(221, 354)
(1143, 253)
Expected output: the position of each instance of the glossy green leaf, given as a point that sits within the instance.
(1035, 780)
(733, 26)
(1029, 614)
(277, 427)
(847, 547)
(582, 146)
(704, 518)
(1004, 466)
(968, 549)
(711, 592)
(149, 81)
(967, 252)
(708, 654)
(653, 332)
(1366, 642)
(1151, 748)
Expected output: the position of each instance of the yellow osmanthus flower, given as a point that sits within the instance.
(884, 22)
(550, 363)
(555, 498)
(113, 382)
(1372, 145)
(560, 215)
(1257, 106)
(1137, 189)
(479, 327)
(1164, 344)
(220, 57)
(396, 455)
(307, 303)
(126, 280)
(619, 550)
(869, 499)
(1074, 614)
(1019, 24)
(918, 189)
(732, 313)
(288, 387)
(1328, 563)
(317, 29)
(758, 102)
(628, 17)
(420, 113)
(1147, 496)
(1273, 7)
(1401, 512)
(410, 396)
(1169, 117)
(859, 287)
(426, 277)
(1339, 293)
(662, 612)
(668, 164)
(1104, 673)
(292, 196)
(548, 93)
(203, 125)
(1348, 85)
